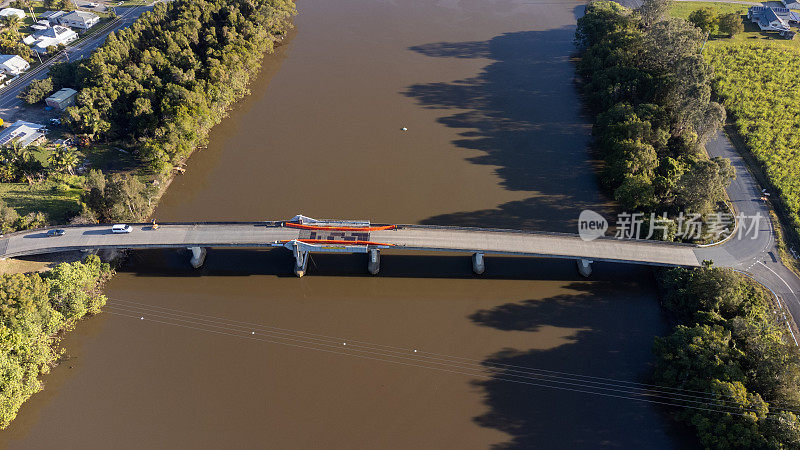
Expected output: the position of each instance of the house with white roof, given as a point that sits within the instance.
(22, 133)
(5, 12)
(13, 64)
(51, 16)
(770, 18)
(79, 19)
(55, 36)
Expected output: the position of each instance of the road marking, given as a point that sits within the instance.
(779, 277)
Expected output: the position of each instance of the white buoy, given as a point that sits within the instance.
(404, 129)
(252, 332)
(415, 350)
(141, 318)
(344, 343)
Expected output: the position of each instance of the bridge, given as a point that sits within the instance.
(303, 235)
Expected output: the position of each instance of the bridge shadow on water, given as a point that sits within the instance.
(523, 114)
(280, 263)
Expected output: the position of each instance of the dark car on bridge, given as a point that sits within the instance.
(53, 233)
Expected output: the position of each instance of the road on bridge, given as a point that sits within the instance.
(401, 237)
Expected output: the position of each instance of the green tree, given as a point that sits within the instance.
(11, 22)
(705, 19)
(653, 11)
(37, 91)
(730, 24)
(8, 218)
(63, 159)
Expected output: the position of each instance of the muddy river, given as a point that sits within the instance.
(495, 137)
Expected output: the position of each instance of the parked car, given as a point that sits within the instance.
(121, 228)
(57, 232)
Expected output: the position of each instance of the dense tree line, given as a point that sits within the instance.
(34, 309)
(161, 84)
(730, 345)
(115, 198)
(644, 76)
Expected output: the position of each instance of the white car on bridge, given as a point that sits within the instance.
(121, 228)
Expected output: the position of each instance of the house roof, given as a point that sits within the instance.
(75, 15)
(15, 62)
(12, 12)
(49, 15)
(23, 132)
(62, 95)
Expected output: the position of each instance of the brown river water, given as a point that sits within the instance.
(496, 137)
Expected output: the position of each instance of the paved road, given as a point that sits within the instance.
(10, 105)
(407, 237)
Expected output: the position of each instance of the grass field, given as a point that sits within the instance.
(683, 9)
(58, 204)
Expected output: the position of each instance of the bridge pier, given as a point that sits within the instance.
(374, 261)
(478, 265)
(300, 261)
(198, 256)
(584, 267)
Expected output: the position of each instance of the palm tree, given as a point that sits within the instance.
(11, 22)
(63, 159)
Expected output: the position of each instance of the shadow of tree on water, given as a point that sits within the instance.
(523, 114)
(614, 324)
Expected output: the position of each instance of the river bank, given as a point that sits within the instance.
(49, 266)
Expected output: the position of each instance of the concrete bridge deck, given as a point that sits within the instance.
(350, 239)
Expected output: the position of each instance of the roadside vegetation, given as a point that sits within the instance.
(645, 77)
(732, 354)
(158, 87)
(651, 89)
(34, 310)
(755, 76)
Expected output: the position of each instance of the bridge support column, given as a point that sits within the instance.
(478, 265)
(374, 261)
(198, 256)
(300, 261)
(584, 267)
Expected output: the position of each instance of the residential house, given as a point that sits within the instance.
(22, 133)
(55, 36)
(13, 64)
(79, 19)
(12, 12)
(62, 99)
(770, 18)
